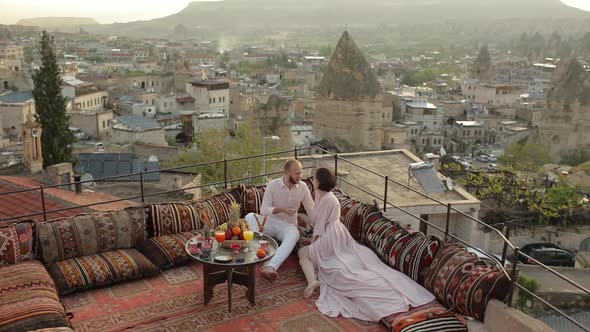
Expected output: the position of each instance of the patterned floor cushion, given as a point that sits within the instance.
(173, 218)
(16, 243)
(55, 329)
(353, 215)
(168, 250)
(28, 298)
(100, 269)
(426, 318)
(92, 233)
(464, 282)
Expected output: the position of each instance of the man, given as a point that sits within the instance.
(280, 203)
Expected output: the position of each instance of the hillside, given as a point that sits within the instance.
(56, 22)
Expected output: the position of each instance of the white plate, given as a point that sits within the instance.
(223, 258)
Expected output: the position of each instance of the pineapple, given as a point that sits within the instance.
(234, 215)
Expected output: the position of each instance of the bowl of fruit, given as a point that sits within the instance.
(234, 228)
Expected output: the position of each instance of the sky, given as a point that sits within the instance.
(108, 11)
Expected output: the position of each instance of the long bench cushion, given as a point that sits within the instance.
(425, 318)
(173, 218)
(409, 253)
(100, 269)
(353, 215)
(168, 250)
(217, 207)
(89, 234)
(464, 282)
(16, 243)
(28, 298)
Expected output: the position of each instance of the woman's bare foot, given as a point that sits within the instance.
(310, 289)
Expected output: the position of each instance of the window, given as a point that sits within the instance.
(104, 124)
(220, 99)
(165, 104)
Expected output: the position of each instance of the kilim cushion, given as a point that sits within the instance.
(425, 318)
(353, 214)
(461, 281)
(217, 207)
(173, 218)
(304, 225)
(16, 243)
(88, 234)
(55, 329)
(28, 298)
(251, 198)
(168, 250)
(100, 269)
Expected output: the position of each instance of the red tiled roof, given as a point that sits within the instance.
(27, 203)
(185, 99)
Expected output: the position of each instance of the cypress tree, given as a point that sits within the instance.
(50, 106)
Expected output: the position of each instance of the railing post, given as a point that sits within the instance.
(141, 186)
(448, 220)
(225, 173)
(43, 203)
(295, 152)
(513, 275)
(336, 165)
(505, 248)
(385, 193)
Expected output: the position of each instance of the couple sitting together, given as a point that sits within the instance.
(353, 281)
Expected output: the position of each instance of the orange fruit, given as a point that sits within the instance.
(261, 253)
(236, 230)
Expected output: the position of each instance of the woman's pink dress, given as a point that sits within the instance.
(354, 283)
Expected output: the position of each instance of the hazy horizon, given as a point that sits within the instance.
(110, 11)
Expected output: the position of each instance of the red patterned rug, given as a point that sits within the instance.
(173, 301)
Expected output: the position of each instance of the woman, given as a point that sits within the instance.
(353, 281)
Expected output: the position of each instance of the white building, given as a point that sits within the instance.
(130, 129)
(211, 96)
(204, 122)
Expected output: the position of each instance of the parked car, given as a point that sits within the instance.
(483, 158)
(492, 166)
(548, 254)
(494, 260)
(493, 157)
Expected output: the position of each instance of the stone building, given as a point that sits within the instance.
(349, 105)
(566, 118)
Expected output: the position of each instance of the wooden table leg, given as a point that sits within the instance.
(207, 285)
(251, 292)
(230, 274)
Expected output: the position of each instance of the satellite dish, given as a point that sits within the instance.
(35, 132)
(153, 158)
(443, 152)
(449, 183)
(87, 177)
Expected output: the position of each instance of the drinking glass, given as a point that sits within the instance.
(220, 236)
(248, 236)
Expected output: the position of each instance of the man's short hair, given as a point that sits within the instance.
(289, 163)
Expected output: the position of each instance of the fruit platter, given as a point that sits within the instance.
(234, 229)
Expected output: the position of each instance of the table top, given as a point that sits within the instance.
(243, 258)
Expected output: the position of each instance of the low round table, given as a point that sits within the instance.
(240, 270)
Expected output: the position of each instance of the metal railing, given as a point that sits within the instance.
(504, 235)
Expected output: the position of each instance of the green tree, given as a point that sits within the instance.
(326, 51)
(50, 106)
(526, 157)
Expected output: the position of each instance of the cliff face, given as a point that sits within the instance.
(571, 83)
(348, 75)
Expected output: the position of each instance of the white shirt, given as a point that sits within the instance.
(278, 195)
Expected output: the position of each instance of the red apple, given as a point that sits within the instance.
(228, 234)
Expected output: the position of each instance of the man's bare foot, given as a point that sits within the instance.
(269, 273)
(310, 289)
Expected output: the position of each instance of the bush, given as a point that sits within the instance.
(525, 301)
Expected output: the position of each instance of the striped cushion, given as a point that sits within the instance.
(414, 258)
(217, 206)
(462, 281)
(173, 218)
(28, 298)
(353, 214)
(100, 269)
(168, 250)
(304, 225)
(251, 198)
(88, 234)
(16, 243)
(425, 318)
